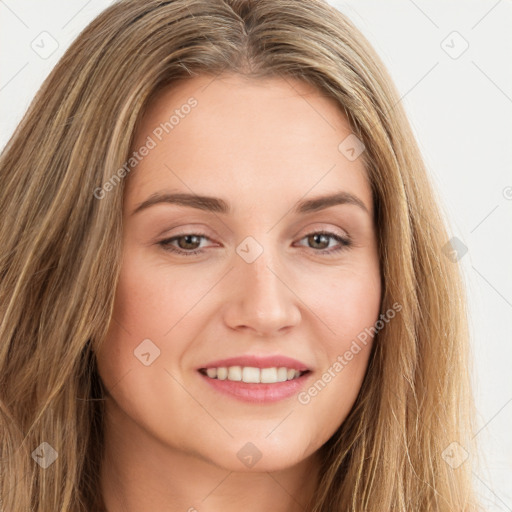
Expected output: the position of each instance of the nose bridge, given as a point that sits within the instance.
(261, 277)
(260, 299)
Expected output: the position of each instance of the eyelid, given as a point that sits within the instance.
(322, 227)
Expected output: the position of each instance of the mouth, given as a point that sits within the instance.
(255, 385)
(253, 375)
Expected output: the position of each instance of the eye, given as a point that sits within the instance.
(320, 240)
(187, 243)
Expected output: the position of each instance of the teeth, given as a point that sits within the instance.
(250, 374)
(253, 375)
(211, 372)
(269, 375)
(235, 373)
(282, 374)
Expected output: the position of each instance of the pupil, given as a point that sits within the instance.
(189, 240)
(316, 239)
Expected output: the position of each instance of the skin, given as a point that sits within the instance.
(262, 146)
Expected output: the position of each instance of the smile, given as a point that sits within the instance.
(255, 385)
(252, 375)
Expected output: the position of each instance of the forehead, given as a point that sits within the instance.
(236, 134)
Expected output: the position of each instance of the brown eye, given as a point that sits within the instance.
(318, 241)
(187, 244)
(321, 240)
(190, 242)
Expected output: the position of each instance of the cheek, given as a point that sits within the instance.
(348, 308)
(153, 298)
(153, 309)
(144, 309)
(152, 303)
(351, 306)
(345, 300)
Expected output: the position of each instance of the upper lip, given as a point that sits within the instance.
(258, 362)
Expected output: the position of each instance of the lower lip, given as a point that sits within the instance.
(259, 393)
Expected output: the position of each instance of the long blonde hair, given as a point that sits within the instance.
(60, 254)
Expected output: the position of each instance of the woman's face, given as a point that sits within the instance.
(244, 275)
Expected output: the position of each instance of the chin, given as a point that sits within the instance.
(259, 455)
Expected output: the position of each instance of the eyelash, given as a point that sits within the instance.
(345, 243)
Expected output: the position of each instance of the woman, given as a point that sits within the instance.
(223, 275)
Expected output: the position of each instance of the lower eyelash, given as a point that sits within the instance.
(345, 242)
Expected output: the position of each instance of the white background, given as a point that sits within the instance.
(460, 109)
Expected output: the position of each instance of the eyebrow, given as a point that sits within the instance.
(217, 205)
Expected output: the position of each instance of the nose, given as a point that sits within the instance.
(261, 298)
